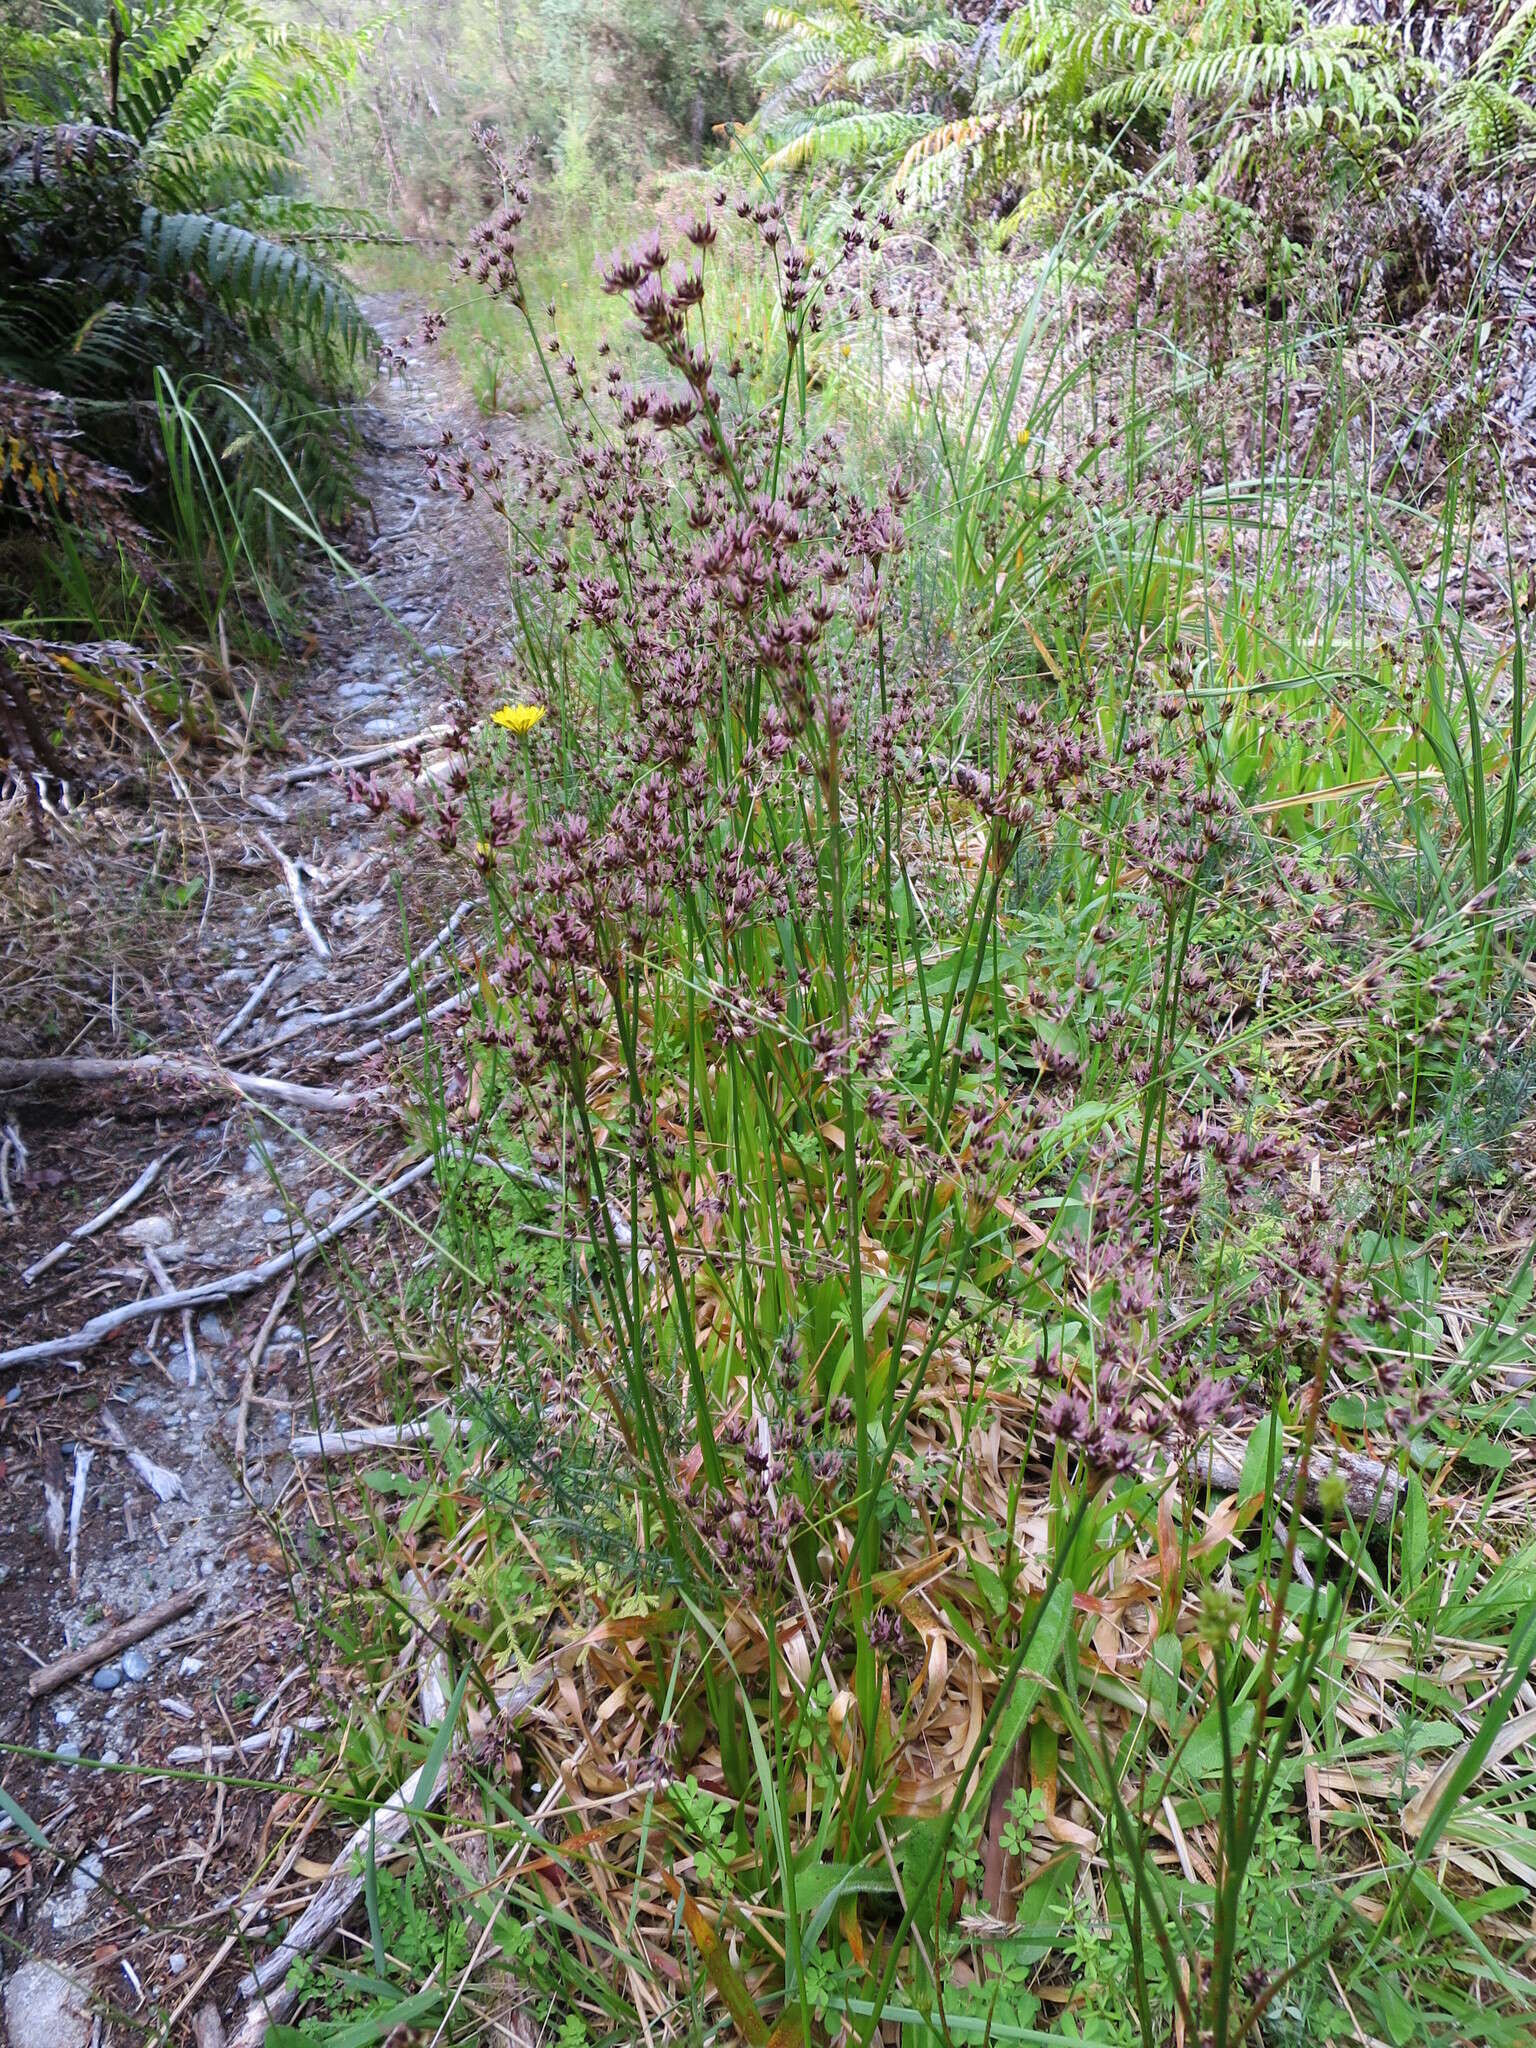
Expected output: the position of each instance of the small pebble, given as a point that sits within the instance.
(190, 1666)
(135, 1665)
(108, 1678)
(271, 1215)
(176, 1963)
(87, 1874)
(212, 1331)
(319, 1205)
(110, 1756)
(68, 1752)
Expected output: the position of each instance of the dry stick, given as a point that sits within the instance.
(252, 1003)
(248, 1384)
(371, 1005)
(403, 1031)
(378, 1835)
(296, 891)
(83, 1459)
(152, 1069)
(78, 1662)
(162, 1482)
(1372, 1490)
(231, 1285)
(311, 771)
(351, 1443)
(247, 1746)
(166, 1285)
(296, 1027)
(110, 1214)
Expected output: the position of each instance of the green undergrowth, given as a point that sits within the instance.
(984, 1263)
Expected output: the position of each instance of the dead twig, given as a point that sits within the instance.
(103, 1217)
(77, 1662)
(154, 1069)
(83, 1459)
(350, 1443)
(370, 1006)
(409, 1029)
(296, 890)
(258, 1349)
(251, 1005)
(229, 1286)
(162, 1482)
(311, 771)
(185, 794)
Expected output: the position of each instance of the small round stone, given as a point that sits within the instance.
(135, 1665)
(108, 1678)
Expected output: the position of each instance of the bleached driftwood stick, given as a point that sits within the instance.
(371, 1007)
(162, 1482)
(247, 1746)
(386, 1436)
(271, 1999)
(311, 771)
(1372, 1490)
(154, 1069)
(229, 1286)
(447, 1008)
(83, 1459)
(251, 1005)
(99, 1221)
(296, 890)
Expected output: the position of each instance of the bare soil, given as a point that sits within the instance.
(142, 1890)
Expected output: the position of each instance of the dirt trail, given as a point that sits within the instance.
(146, 1874)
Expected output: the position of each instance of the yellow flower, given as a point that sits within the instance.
(518, 718)
(1022, 437)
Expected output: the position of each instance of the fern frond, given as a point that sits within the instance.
(255, 272)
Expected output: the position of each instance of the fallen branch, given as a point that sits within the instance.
(153, 1069)
(251, 1005)
(351, 1443)
(110, 1214)
(371, 1006)
(315, 1928)
(105, 1647)
(311, 771)
(296, 890)
(1372, 1490)
(409, 1029)
(230, 1286)
(247, 1746)
(162, 1482)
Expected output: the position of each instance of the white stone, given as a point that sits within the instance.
(46, 2007)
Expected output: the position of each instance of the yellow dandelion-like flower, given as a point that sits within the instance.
(1022, 437)
(518, 718)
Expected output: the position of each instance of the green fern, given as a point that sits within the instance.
(150, 215)
(1076, 95)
